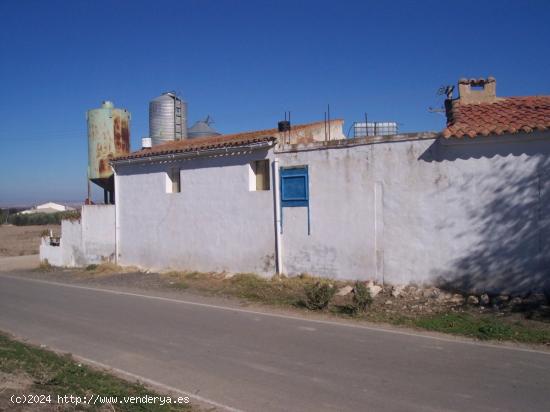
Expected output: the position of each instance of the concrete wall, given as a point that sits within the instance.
(50, 254)
(214, 224)
(98, 233)
(470, 213)
(90, 240)
(319, 132)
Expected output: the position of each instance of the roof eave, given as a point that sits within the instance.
(191, 154)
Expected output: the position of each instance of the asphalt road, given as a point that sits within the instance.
(258, 362)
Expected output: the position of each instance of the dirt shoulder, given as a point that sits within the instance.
(526, 322)
(25, 262)
(32, 378)
(23, 240)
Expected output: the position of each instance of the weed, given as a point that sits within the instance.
(361, 298)
(318, 295)
(45, 266)
(354, 304)
(193, 275)
(252, 287)
(482, 328)
(108, 268)
(181, 285)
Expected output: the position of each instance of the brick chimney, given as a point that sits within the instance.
(475, 91)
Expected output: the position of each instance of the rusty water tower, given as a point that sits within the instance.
(108, 137)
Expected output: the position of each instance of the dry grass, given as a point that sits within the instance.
(45, 266)
(23, 240)
(283, 291)
(108, 268)
(279, 290)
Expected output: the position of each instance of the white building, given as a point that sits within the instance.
(469, 207)
(49, 207)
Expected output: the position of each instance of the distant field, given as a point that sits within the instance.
(22, 240)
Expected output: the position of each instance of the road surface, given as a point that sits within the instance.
(245, 360)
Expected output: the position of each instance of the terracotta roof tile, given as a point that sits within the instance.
(205, 143)
(505, 116)
(193, 145)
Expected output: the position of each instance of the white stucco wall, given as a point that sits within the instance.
(90, 240)
(473, 213)
(214, 224)
(98, 233)
(50, 254)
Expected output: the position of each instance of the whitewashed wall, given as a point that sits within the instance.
(473, 213)
(90, 240)
(50, 254)
(215, 224)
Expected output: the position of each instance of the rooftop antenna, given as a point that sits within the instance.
(446, 91)
(286, 128)
(351, 126)
(328, 119)
(290, 126)
(325, 126)
(437, 110)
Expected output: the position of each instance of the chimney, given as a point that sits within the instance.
(475, 91)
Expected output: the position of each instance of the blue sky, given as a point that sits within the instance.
(244, 63)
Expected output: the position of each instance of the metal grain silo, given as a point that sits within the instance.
(167, 118)
(202, 129)
(108, 136)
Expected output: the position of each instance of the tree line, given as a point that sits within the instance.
(12, 216)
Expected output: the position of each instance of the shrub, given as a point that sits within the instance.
(361, 298)
(356, 303)
(318, 295)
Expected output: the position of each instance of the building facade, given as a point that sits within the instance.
(469, 207)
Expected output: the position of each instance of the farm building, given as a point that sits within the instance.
(469, 206)
(49, 207)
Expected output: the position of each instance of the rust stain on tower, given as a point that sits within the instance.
(108, 136)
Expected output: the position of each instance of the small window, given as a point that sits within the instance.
(259, 176)
(173, 181)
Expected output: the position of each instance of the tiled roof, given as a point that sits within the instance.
(215, 142)
(505, 116)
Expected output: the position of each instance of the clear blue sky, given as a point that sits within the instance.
(244, 63)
